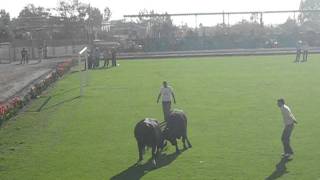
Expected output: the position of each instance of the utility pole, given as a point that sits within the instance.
(90, 28)
(261, 19)
(223, 19)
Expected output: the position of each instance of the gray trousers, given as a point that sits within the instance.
(305, 55)
(166, 107)
(298, 55)
(285, 138)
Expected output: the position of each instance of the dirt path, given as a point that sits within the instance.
(14, 77)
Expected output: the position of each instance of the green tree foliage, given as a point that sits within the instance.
(5, 34)
(107, 14)
(79, 19)
(161, 31)
(96, 17)
(310, 5)
(32, 11)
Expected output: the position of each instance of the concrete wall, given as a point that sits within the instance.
(61, 51)
(5, 54)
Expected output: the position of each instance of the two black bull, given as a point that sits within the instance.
(148, 133)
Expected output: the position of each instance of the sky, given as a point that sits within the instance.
(122, 7)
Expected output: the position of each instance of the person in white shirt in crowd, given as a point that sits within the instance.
(167, 94)
(289, 120)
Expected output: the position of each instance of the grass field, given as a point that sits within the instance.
(234, 123)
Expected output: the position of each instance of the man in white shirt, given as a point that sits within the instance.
(166, 92)
(289, 120)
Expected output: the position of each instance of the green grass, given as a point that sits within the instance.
(234, 123)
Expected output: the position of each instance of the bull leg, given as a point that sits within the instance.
(141, 149)
(189, 144)
(184, 142)
(176, 144)
(154, 155)
(186, 137)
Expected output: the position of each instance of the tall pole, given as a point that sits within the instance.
(89, 26)
(261, 19)
(223, 18)
(196, 21)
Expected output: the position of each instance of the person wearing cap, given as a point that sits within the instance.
(167, 94)
(289, 120)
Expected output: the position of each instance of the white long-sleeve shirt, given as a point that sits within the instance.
(166, 93)
(288, 117)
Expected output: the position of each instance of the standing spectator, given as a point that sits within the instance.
(23, 56)
(305, 48)
(113, 57)
(96, 57)
(166, 92)
(299, 49)
(288, 120)
(90, 59)
(106, 57)
(45, 51)
(27, 56)
(40, 53)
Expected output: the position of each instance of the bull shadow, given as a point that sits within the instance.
(136, 172)
(57, 104)
(44, 104)
(280, 170)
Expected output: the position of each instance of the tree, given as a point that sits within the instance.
(32, 11)
(106, 14)
(161, 31)
(66, 9)
(5, 33)
(310, 5)
(96, 17)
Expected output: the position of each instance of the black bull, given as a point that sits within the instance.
(148, 133)
(176, 128)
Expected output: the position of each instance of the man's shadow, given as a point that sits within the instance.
(136, 172)
(280, 170)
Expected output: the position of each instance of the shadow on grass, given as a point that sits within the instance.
(280, 170)
(65, 91)
(60, 103)
(42, 107)
(136, 172)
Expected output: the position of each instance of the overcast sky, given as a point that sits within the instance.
(122, 7)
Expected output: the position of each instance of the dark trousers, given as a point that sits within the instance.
(305, 55)
(166, 107)
(285, 138)
(298, 55)
(23, 60)
(114, 62)
(106, 62)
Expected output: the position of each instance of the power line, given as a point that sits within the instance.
(222, 13)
